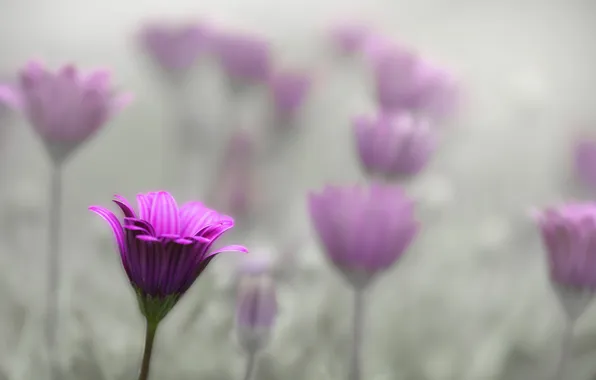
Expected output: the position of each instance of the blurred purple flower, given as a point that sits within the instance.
(394, 145)
(243, 57)
(404, 80)
(569, 237)
(164, 248)
(176, 48)
(376, 45)
(440, 94)
(235, 191)
(364, 229)
(585, 160)
(349, 37)
(65, 108)
(256, 305)
(289, 91)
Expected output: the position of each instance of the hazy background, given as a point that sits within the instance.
(470, 301)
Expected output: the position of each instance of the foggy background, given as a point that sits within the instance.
(469, 301)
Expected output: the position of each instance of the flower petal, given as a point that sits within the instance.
(114, 223)
(164, 214)
(11, 97)
(144, 206)
(126, 208)
(135, 257)
(229, 248)
(194, 216)
(33, 72)
(148, 228)
(181, 258)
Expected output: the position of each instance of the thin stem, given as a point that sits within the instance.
(250, 366)
(355, 360)
(565, 353)
(54, 264)
(149, 339)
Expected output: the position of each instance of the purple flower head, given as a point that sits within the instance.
(377, 45)
(404, 80)
(349, 37)
(394, 145)
(163, 247)
(398, 79)
(256, 310)
(176, 48)
(289, 91)
(235, 190)
(65, 107)
(585, 160)
(243, 57)
(439, 91)
(569, 237)
(363, 229)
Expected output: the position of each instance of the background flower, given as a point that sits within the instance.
(394, 145)
(65, 107)
(364, 230)
(175, 47)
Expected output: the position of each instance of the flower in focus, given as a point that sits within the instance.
(243, 57)
(256, 304)
(569, 237)
(585, 160)
(175, 48)
(65, 107)
(363, 229)
(289, 91)
(164, 248)
(393, 145)
(349, 37)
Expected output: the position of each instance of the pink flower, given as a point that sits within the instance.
(569, 237)
(165, 248)
(65, 108)
(243, 56)
(349, 37)
(289, 90)
(364, 230)
(176, 48)
(394, 145)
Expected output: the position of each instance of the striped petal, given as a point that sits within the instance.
(114, 223)
(164, 215)
(181, 267)
(144, 206)
(125, 207)
(135, 257)
(195, 216)
(148, 228)
(229, 248)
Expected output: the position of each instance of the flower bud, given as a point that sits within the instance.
(256, 311)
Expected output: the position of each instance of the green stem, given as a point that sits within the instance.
(149, 339)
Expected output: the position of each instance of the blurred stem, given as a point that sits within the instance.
(54, 264)
(250, 366)
(565, 353)
(149, 339)
(358, 326)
